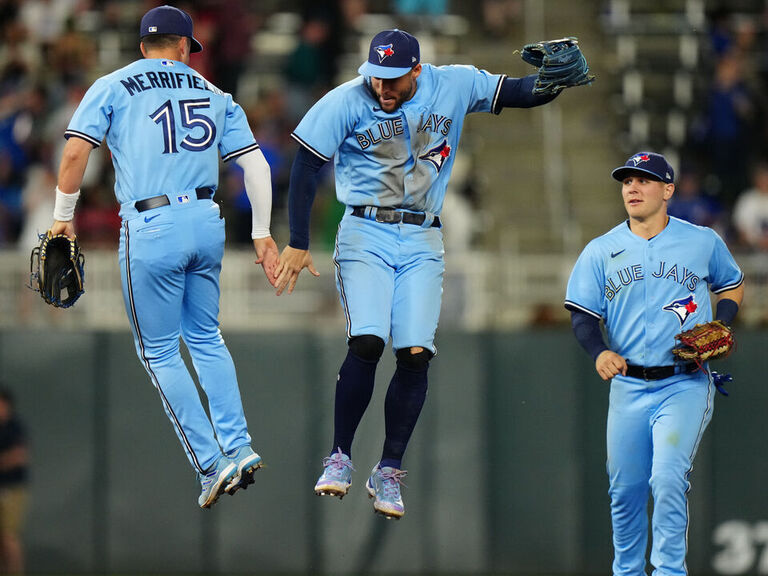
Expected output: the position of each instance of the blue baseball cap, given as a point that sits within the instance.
(169, 20)
(650, 163)
(393, 53)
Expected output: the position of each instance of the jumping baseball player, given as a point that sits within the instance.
(393, 133)
(166, 127)
(648, 279)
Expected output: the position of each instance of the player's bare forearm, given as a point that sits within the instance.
(268, 256)
(737, 294)
(74, 159)
(608, 364)
(292, 262)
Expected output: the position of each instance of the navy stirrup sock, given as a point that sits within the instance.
(354, 389)
(402, 406)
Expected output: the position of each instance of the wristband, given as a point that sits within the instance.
(726, 311)
(64, 207)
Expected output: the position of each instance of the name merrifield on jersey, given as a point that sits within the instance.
(389, 128)
(625, 277)
(149, 80)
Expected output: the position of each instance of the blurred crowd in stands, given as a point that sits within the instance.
(723, 179)
(51, 51)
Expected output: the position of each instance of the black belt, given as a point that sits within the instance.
(660, 372)
(392, 216)
(162, 200)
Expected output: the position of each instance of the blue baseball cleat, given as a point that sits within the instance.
(247, 462)
(336, 477)
(384, 487)
(214, 481)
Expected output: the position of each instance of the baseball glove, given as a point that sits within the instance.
(705, 342)
(560, 62)
(57, 270)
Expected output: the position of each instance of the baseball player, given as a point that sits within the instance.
(394, 132)
(648, 279)
(166, 127)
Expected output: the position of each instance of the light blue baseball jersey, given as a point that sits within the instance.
(164, 124)
(404, 158)
(647, 291)
(166, 128)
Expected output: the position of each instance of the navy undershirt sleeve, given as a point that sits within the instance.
(518, 93)
(586, 328)
(301, 194)
(726, 311)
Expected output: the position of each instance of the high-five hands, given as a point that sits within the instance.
(268, 256)
(292, 262)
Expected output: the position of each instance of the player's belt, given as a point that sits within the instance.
(163, 200)
(392, 216)
(659, 372)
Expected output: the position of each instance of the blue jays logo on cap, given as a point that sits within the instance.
(384, 51)
(682, 308)
(392, 54)
(650, 163)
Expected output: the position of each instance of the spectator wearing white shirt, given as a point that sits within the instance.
(750, 213)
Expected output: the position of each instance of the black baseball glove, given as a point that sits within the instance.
(57, 270)
(560, 62)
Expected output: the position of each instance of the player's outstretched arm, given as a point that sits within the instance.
(258, 187)
(518, 93)
(301, 194)
(608, 364)
(268, 256)
(292, 262)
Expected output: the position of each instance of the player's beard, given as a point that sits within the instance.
(394, 99)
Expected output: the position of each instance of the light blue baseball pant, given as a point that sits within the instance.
(390, 280)
(170, 262)
(654, 429)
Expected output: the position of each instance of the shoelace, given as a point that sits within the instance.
(336, 465)
(391, 482)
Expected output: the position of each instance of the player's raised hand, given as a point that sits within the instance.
(292, 261)
(608, 364)
(268, 256)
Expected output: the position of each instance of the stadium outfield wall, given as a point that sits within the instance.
(506, 467)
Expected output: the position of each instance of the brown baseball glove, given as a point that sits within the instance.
(705, 342)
